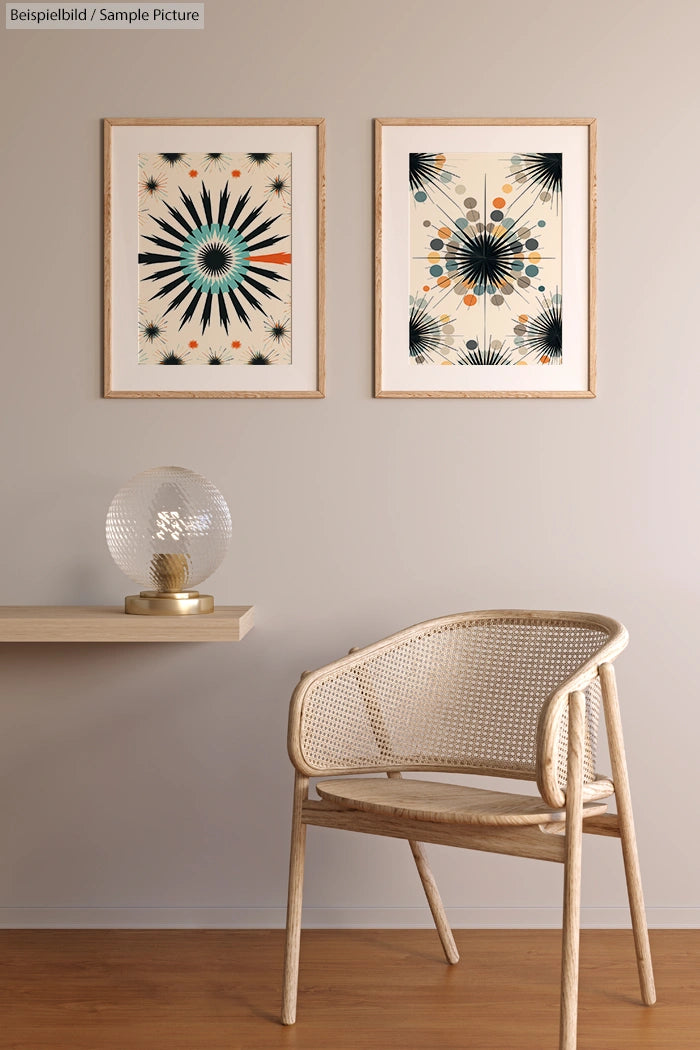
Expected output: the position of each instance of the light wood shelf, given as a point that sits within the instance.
(109, 623)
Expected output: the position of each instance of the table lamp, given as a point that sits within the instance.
(168, 529)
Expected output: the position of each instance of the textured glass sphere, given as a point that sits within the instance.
(168, 529)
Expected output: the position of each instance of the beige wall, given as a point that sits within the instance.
(150, 784)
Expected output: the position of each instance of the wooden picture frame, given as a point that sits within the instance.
(485, 256)
(198, 265)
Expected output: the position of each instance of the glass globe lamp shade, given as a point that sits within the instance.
(168, 529)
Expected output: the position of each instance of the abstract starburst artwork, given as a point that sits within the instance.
(485, 239)
(215, 258)
(486, 270)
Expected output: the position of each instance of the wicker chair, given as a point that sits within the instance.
(508, 694)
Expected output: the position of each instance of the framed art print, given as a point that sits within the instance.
(214, 258)
(485, 258)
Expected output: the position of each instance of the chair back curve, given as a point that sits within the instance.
(478, 692)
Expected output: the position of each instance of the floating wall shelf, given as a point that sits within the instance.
(107, 623)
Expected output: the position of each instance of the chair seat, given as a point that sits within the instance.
(443, 803)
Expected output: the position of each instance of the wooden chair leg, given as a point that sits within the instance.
(572, 873)
(432, 894)
(435, 903)
(294, 899)
(627, 835)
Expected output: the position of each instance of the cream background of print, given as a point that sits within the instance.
(241, 342)
(471, 186)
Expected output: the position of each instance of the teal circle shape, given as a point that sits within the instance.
(227, 239)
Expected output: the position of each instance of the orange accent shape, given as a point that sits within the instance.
(507, 188)
(444, 232)
(534, 257)
(236, 343)
(276, 257)
(498, 202)
(440, 160)
(193, 344)
(444, 282)
(523, 318)
(544, 360)
(236, 173)
(470, 300)
(193, 174)
(426, 287)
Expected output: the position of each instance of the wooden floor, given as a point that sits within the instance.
(359, 990)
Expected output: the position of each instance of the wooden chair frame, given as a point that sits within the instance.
(583, 810)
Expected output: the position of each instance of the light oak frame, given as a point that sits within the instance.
(495, 827)
(379, 124)
(320, 124)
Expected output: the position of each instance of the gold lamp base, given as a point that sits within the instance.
(168, 603)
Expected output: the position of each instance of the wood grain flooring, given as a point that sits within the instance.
(359, 990)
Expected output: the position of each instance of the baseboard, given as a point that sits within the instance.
(331, 918)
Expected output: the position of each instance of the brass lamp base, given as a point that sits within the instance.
(168, 603)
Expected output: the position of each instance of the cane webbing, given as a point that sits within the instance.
(458, 694)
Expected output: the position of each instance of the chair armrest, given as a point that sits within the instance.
(552, 729)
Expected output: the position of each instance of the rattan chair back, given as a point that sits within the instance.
(474, 693)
